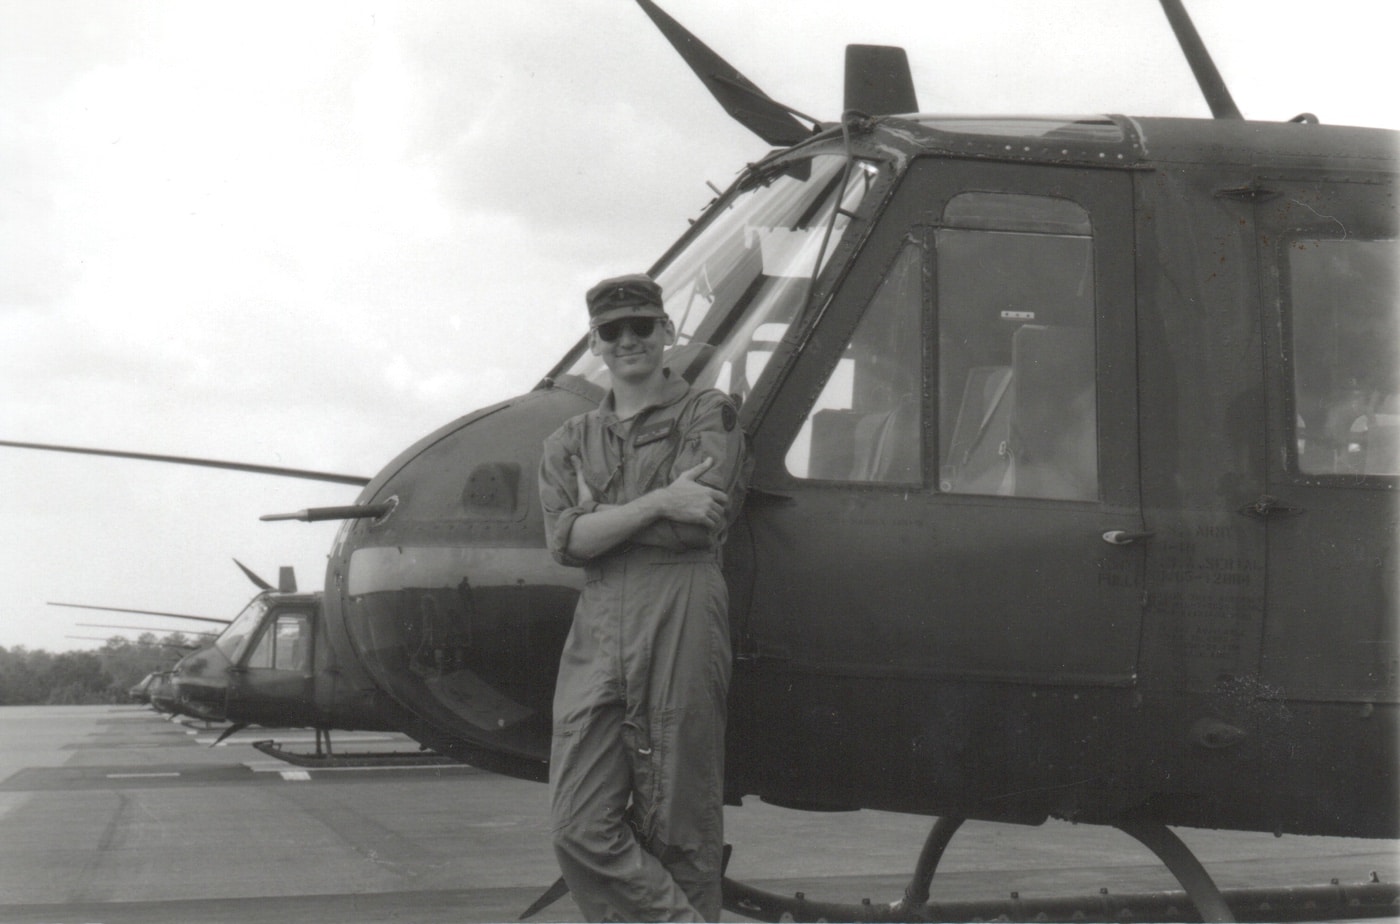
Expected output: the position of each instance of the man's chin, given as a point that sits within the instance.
(633, 367)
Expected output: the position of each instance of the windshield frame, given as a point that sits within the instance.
(246, 622)
(886, 168)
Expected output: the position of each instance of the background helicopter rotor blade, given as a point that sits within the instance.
(740, 97)
(118, 609)
(279, 471)
(98, 638)
(108, 625)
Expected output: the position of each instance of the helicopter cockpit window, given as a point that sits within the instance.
(1345, 315)
(1016, 363)
(284, 646)
(737, 286)
(244, 624)
(867, 423)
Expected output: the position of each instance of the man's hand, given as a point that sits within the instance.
(686, 500)
(690, 506)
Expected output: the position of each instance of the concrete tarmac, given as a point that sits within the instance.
(113, 814)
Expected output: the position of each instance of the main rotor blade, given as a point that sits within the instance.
(280, 472)
(118, 609)
(740, 97)
(257, 581)
(1222, 104)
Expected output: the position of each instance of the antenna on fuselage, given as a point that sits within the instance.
(878, 81)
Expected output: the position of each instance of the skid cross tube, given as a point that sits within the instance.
(1293, 903)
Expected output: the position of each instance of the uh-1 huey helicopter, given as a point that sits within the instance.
(1074, 495)
(156, 689)
(1075, 478)
(270, 666)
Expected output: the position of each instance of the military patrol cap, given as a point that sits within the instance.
(635, 295)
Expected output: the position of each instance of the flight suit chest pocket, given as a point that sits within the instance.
(654, 446)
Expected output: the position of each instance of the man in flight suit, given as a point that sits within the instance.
(640, 493)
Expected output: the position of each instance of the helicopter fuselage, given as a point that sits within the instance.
(1074, 490)
(273, 667)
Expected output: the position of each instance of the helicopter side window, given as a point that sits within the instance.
(284, 645)
(1016, 360)
(1345, 322)
(866, 425)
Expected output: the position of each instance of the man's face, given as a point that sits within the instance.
(631, 353)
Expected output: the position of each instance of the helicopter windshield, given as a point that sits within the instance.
(738, 285)
(246, 623)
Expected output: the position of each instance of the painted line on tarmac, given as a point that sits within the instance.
(141, 776)
(295, 739)
(277, 766)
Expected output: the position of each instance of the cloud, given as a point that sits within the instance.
(309, 233)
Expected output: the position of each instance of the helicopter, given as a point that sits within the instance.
(1074, 490)
(155, 689)
(1075, 476)
(266, 668)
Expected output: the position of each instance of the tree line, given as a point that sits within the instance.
(76, 678)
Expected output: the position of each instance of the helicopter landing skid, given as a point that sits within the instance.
(1201, 900)
(358, 759)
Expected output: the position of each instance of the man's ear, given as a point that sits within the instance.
(593, 342)
(668, 327)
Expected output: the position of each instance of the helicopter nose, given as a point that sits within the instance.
(453, 604)
(466, 638)
(199, 684)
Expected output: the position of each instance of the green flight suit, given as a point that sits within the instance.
(637, 765)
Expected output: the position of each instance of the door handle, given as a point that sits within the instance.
(1268, 506)
(1126, 537)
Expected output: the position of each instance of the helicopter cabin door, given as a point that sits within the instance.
(272, 681)
(945, 511)
(1330, 264)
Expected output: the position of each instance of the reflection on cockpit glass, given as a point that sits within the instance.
(283, 646)
(246, 623)
(738, 285)
(1345, 315)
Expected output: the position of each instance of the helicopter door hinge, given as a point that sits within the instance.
(1250, 193)
(1268, 506)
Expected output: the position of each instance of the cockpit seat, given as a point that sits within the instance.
(1054, 430)
(978, 460)
(885, 445)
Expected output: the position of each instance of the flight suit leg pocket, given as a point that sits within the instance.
(564, 773)
(646, 749)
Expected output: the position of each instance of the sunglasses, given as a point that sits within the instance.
(642, 328)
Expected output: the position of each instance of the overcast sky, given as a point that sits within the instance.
(308, 233)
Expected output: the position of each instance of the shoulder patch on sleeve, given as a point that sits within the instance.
(729, 416)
